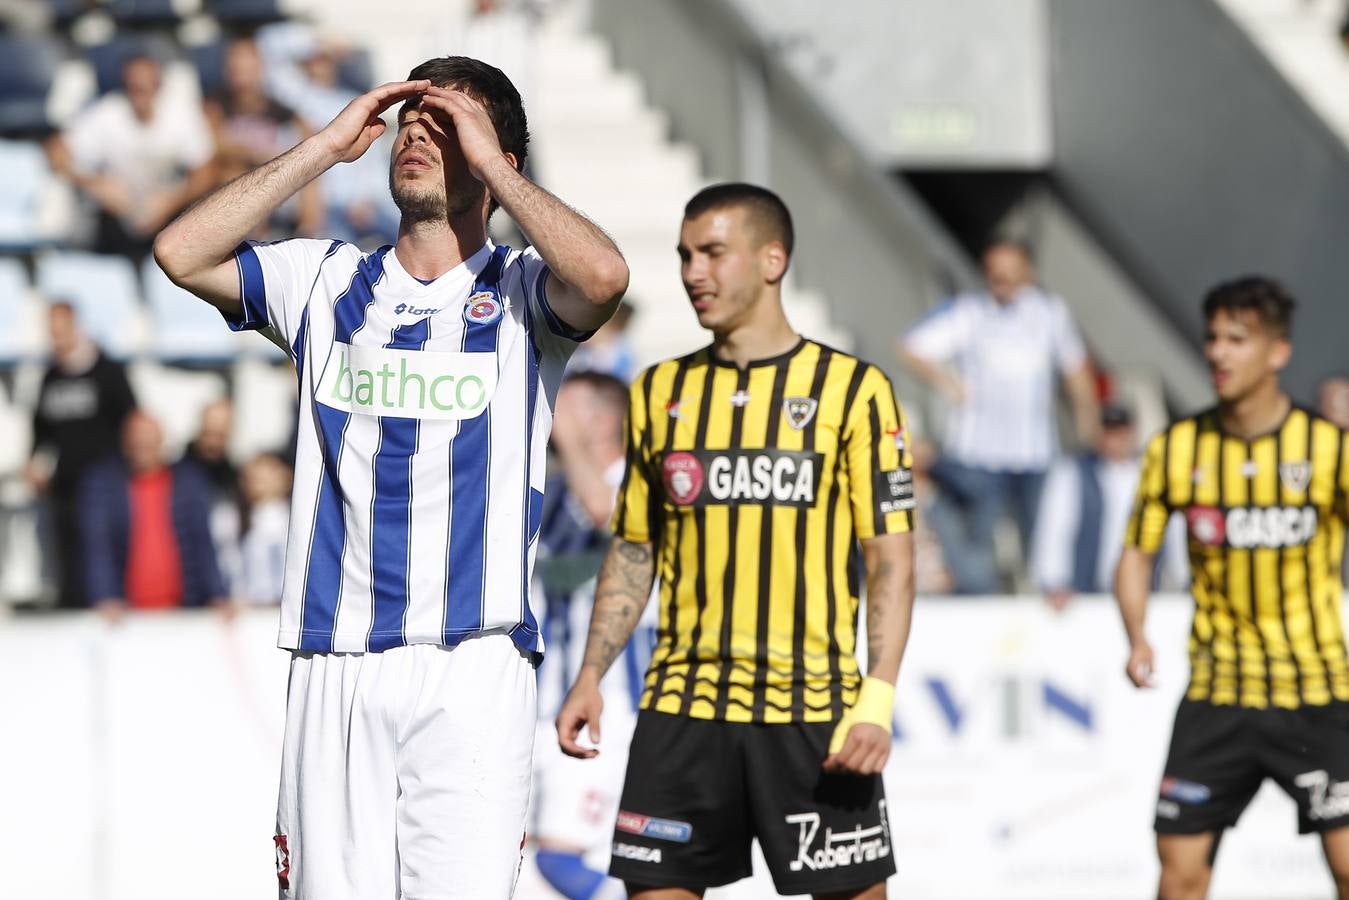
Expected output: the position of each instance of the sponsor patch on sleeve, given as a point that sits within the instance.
(893, 490)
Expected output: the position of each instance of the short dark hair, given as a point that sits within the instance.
(610, 389)
(1014, 243)
(763, 207)
(1264, 297)
(489, 86)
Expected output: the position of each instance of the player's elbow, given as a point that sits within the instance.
(169, 256)
(608, 280)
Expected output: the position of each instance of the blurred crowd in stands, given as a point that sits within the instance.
(120, 519)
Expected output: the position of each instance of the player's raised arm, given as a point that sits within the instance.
(621, 594)
(196, 249)
(589, 275)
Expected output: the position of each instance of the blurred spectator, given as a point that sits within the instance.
(250, 128)
(1084, 511)
(1332, 400)
(993, 356)
(139, 156)
(578, 799)
(81, 405)
(609, 351)
(210, 451)
(500, 33)
(302, 71)
(931, 573)
(146, 528)
(266, 482)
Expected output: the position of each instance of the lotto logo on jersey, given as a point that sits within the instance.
(1249, 527)
(770, 477)
(648, 826)
(407, 384)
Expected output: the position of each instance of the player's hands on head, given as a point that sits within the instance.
(864, 751)
(1139, 666)
(359, 125)
(581, 709)
(470, 122)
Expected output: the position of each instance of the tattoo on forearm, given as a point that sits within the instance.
(620, 596)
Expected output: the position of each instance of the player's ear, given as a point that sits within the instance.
(1280, 353)
(515, 163)
(772, 261)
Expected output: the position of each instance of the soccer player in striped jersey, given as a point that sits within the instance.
(427, 375)
(764, 473)
(1263, 485)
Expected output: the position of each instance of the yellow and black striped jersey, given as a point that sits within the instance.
(1266, 523)
(755, 485)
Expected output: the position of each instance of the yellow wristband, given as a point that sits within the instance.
(875, 706)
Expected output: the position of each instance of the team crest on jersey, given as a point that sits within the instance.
(1296, 475)
(482, 309)
(799, 411)
(1207, 525)
(683, 477)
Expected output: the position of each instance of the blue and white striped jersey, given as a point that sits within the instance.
(424, 417)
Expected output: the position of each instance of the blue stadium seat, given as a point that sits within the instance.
(104, 291)
(240, 12)
(185, 328)
(27, 66)
(209, 61)
(21, 191)
(144, 12)
(63, 12)
(107, 58)
(15, 343)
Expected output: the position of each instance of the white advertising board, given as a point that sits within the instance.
(140, 762)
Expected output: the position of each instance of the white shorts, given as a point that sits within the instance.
(405, 774)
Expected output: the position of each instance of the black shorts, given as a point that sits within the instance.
(1221, 754)
(698, 791)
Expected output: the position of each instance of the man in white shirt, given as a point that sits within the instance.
(994, 355)
(1083, 513)
(138, 155)
(428, 371)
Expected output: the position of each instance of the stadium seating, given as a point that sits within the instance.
(209, 61)
(176, 398)
(107, 57)
(185, 329)
(148, 12)
(104, 291)
(244, 12)
(22, 194)
(266, 394)
(22, 337)
(27, 65)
